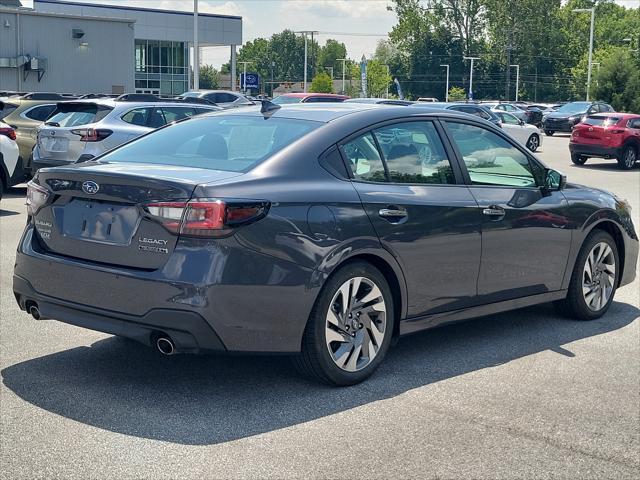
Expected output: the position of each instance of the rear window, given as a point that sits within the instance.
(230, 143)
(599, 121)
(72, 115)
(6, 109)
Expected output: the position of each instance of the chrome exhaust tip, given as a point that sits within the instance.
(34, 311)
(165, 346)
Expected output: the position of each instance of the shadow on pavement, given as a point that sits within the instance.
(15, 192)
(126, 388)
(597, 164)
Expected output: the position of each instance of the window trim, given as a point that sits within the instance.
(451, 154)
(465, 173)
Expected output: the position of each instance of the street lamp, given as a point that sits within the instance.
(517, 79)
(344, 61)
(471, 75)
(446, 93)
(196, 53)
(593, 19)
(305, 33)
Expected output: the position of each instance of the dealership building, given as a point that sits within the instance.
(72, 47)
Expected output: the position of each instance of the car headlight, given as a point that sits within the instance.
(575, 118)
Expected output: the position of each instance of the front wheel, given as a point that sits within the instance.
(350, 328)
(627, 158)
(594, 278)
(549, 133)
(533, 143)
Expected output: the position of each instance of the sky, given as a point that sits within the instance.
(359, 24)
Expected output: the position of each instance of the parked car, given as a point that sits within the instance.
(530, 115)
(83, 129)
(609, 135)
(309, 98)
(380, 101)
(25, 114)
(428, 99)
(477, 109)
(570, 114)
(9, 154)
(334, 230)
(221, 98)
(528, 135)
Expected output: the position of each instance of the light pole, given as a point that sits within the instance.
(330, 71)
(593, 20)
(517, 79)
(305, 33)
(388, 75)
(446, 93)
(597, 64)
(244, 76)
(344, 61)
(273, 66)
(196, 53)
(471, 75)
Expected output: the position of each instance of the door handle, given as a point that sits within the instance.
(494, 211)
(393, 212)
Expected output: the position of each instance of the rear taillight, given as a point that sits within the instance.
(206, 218)
(8, 132)
(37, 196)
(92, 134)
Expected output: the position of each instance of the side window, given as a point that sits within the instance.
(156, 118)
(490, 159)
(414, 153)
(364, 159)
(137, 116)
(508, 118)
(500, 107)
(40, 113)
(478, 112)
(634, 123)
(172, 114)
(224, 98)
(593, 109)
(606, 108)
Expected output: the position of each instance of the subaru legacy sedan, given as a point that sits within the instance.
(323, 231)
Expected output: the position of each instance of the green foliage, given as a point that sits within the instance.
(619, 81)
(378, 79)
(321, 83)
(457, 94)
(329, 55)
(209, 77)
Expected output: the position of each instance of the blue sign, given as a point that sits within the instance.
(252, 81)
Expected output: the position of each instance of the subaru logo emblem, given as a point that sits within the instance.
(52, 132)
(90, 187)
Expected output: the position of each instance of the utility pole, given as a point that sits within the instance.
(471, 75)
(507, 93)
(273, 65)
(593, 20)
(344, 61)
(446, 93)
(388, 75)
(306, 49)
(244, 76)
(517, 78)
(196, 47)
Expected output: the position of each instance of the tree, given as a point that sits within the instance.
(457, 94)
(329, 55)
(209, 77)
(618, 81)
(322, 83)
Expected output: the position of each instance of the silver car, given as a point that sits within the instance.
(83, 129)
(223, 98)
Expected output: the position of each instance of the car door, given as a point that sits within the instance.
(428, 220)
(526, 232)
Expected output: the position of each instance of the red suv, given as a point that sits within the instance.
(608, 135)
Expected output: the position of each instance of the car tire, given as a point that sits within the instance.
(627, 158)
(578, 159)
(590, 294)
(533, 142)
(343, 343)
(549, 133)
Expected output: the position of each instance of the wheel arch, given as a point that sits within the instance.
(613, 229)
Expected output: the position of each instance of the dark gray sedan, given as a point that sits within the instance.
(319, 230)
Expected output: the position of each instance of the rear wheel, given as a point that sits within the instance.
(627, 158)
(578, 159)
(350, 327)
(534, 142)
(594, 278)
(549, 133)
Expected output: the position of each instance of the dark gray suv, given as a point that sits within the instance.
(322, 231)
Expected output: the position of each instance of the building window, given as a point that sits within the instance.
(162, 67)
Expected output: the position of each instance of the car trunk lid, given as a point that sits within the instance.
(596, 130)
(97, 212)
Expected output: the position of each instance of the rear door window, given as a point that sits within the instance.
(364, 159)
(40, 113)
(6, 109)
(173, 114)
(137, 116)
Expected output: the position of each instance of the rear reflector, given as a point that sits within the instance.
(206, 218)
(92, 134)
(8, 132)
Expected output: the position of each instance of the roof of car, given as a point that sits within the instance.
(110, 102)
(309, 94)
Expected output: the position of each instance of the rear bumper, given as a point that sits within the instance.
(599, 151)
(188, 330)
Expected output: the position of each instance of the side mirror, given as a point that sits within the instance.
(520, 122)
(554, 180)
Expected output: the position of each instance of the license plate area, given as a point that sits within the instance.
(97, 221)
(53, 144)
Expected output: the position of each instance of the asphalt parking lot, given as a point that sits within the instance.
(525, 394)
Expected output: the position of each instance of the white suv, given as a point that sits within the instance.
(8, 157)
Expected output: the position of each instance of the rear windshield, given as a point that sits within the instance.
(281, 100)
(6, 109)
(74, 114)
(601, 121)
(230, 143)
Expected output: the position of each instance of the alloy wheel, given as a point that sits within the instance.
(629, 158)
(356, 323)
(599, 276)
(533, 143)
